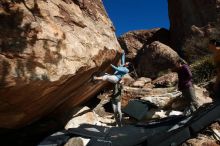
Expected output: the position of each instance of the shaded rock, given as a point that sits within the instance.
(95, 116)
(48, 52)
(102, 113)
(196, 46)
(192, 25)
(167, 80)
(99, 109)
(84, 115)
(155, 58)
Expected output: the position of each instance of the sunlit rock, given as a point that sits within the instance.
(48, 53)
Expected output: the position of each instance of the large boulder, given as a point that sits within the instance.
(48, 52)
(192, 23)
(155, 58)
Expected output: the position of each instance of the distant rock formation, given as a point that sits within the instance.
(134, 41)
(48, 51)
(192, 23)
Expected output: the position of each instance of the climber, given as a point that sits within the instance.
(214, 46)
(120, 71)
(185, 85)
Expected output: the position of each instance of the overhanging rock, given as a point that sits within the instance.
(48, 52)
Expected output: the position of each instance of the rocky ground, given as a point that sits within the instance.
(160, 92)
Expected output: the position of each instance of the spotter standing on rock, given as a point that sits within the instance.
(185, 85)
(120, 71)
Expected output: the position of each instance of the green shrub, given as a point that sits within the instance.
(203, 69)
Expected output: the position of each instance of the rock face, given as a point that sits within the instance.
(192, 23)
(145, 47)
(48, 52)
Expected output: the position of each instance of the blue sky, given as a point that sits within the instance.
(128, 15)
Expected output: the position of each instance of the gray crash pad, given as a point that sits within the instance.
(205, 117)
(117, 136)
(56, 139)
(136, 108)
